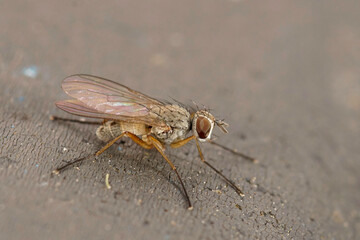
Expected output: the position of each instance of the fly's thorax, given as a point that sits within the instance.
(177, 120)
(202, 125)
(112, 129)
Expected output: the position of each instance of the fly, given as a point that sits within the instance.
(147, 121)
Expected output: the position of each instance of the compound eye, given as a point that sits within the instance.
(203, 127)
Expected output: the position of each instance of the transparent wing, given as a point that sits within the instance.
(76, 107)
(107, 98)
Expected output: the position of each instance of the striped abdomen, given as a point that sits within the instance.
(112, 129)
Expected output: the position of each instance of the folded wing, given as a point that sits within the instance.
(101, 98)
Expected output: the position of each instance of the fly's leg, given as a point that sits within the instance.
(69, 164)
(235, 152)
(231, 183)
(160, 148)
(56, 118)
(135, 138)
(186, 140)
(154, 143)
(182, 142)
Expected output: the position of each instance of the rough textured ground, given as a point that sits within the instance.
(284, 74)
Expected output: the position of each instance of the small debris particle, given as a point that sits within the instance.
(217, 191)
(253, 180)
(139, 202)
(238, 206)
(107, 181)
(30, 71)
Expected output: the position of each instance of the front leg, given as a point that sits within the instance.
(160, 147)
(186, 140)
(182, 142)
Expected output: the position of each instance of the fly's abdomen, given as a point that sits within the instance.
(108, 131)
(112, 129)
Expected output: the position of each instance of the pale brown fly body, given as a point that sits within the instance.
(147, 121)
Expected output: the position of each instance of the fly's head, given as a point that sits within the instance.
(203, 124)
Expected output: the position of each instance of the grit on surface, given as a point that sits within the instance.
(284, 74)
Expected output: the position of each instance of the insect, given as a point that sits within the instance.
(149, 122)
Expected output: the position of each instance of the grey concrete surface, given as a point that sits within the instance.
(284, 74)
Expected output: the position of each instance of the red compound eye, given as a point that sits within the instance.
(203, 127)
